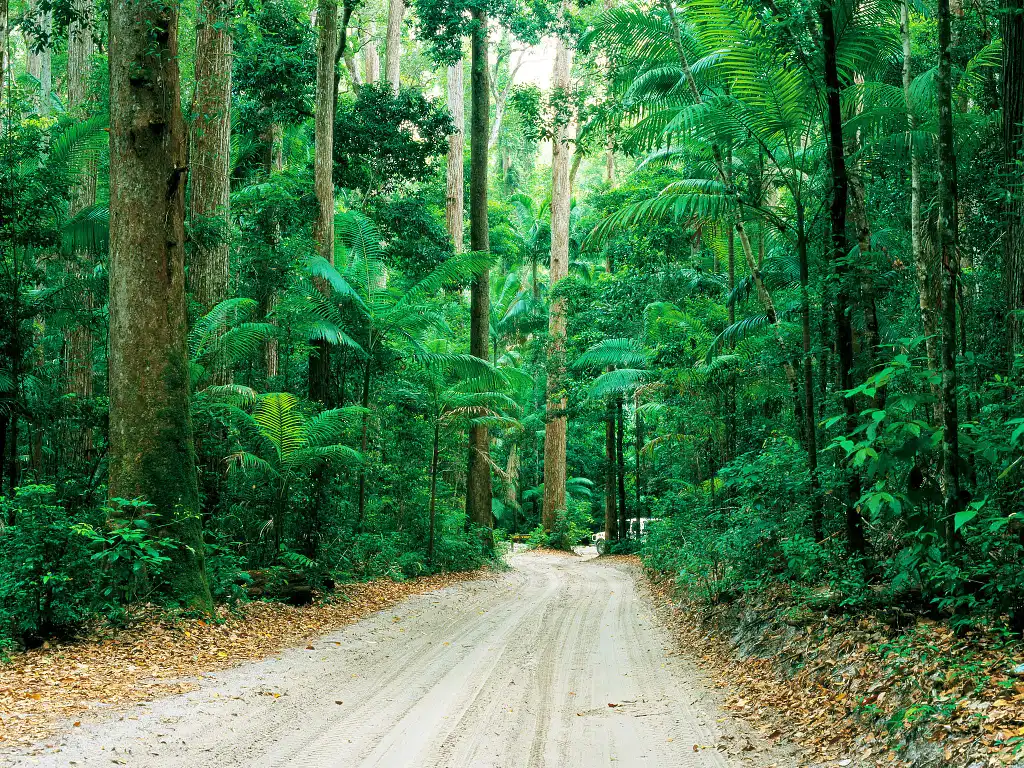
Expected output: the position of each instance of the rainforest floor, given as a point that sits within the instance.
(874, 689)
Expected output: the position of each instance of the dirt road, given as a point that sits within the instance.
(557, 663)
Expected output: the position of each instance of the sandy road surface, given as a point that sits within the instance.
(512, 672)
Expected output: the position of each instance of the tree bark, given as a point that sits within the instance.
(364, 440)
(151, 449)
(839, 247)
(275, 164)
(433, 493)
(478, 482)
(948, 243)
(611, 520)
(454, 197)
(5, 41)
(210, 155)
(78, 338)
(1012, 83)
(323, 180)
(555, 421)
(925, 264)
(371, 60)
(620, 461)
(393, 44)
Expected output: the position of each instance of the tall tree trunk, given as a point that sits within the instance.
(454, 196)
(151, 449)
(611, 521)
(924, 258)
(948, 244)
(78, 338)
(275, 164)
(638, 429)
(45, 64)
(555, 421)
(807, 406)
(5, 43)
(343, 53)
(1012, 83)
(323, 181)
(433, 492)
(393, 44)
(837, 222)
(620, 461)
(210, 155)
(371, 60)
(478, 482)
(364, 440)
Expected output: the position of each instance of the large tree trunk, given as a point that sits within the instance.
(323, 181)
(78, 337)
(837, 221)
(948, 243)
(151, 449)
(555, 420)
(393, 44)
(456, 149)
(1013, 145)
(210, 156)
(478, 482)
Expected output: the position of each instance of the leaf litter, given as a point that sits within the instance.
(857, 690)
(45, 690)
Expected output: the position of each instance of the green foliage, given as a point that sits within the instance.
(46, 573)
(130, 553)
(383, 141)
(573, 526)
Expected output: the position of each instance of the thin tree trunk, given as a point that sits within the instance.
(364, 440)
(810, 422)
(948, 244)
(1012, 83)
(478, 482)
(555, 421)
(837, 221)
(611, 522)
(151, 449)
(393, 44)
(638, 429)
(210, 156)
(45, 64)
(620, 461)
(275, 149)
(454, 197)
(323, 182)
(924, 261)
(5, 42)
(433, 493)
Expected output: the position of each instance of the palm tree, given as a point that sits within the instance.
(284, 446)
(388, 313)
(459, 389)
(515, 314)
